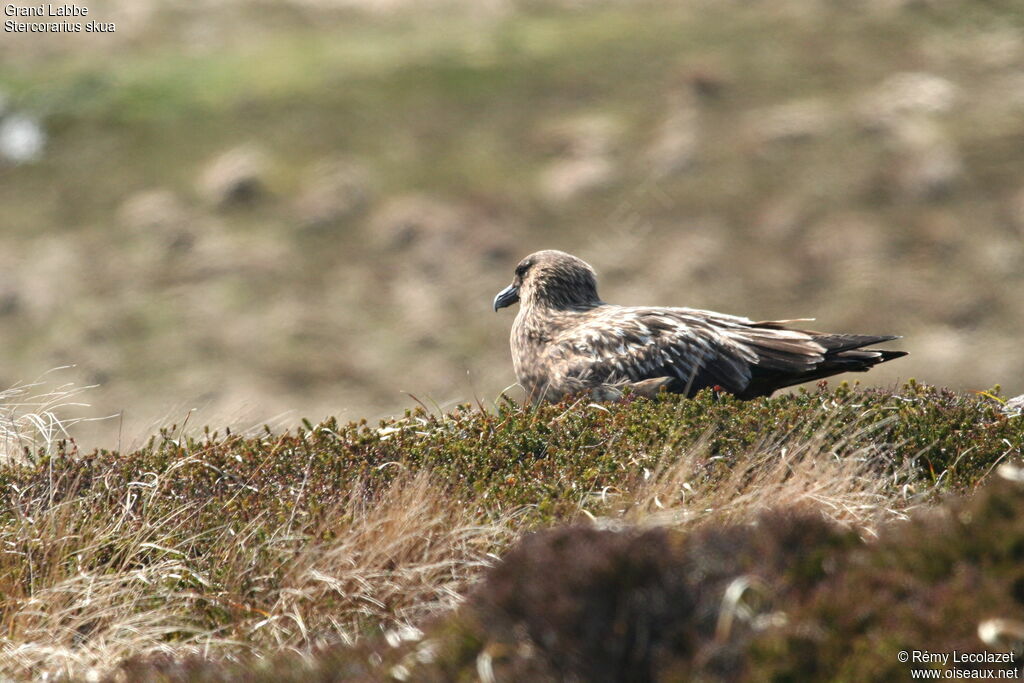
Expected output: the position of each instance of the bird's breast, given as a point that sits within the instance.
(533, 350)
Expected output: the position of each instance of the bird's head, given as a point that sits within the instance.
(552, 279)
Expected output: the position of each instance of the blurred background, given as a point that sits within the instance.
(264, 210)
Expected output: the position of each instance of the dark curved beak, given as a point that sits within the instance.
(506, 297)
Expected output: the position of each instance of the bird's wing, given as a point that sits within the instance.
(696, 348)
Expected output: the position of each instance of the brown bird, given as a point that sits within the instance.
(565, 340)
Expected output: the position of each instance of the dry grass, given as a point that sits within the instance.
(394, 561)
(36, 415)
(838, 476)
(87, 584)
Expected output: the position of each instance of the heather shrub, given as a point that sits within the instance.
(789, 597)
(927, 584)
(638, 605)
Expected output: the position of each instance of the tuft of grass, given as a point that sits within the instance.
(34, 416)
(87, 583)
(849, 475)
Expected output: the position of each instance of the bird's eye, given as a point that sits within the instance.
(521, 269)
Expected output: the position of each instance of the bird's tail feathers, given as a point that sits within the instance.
(838, 343)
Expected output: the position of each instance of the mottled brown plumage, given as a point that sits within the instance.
(566, 340)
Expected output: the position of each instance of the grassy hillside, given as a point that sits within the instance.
(857, 162)
(353, 540)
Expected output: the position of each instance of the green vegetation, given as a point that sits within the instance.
(241, 545)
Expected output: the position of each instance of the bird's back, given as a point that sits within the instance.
(689, 349)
